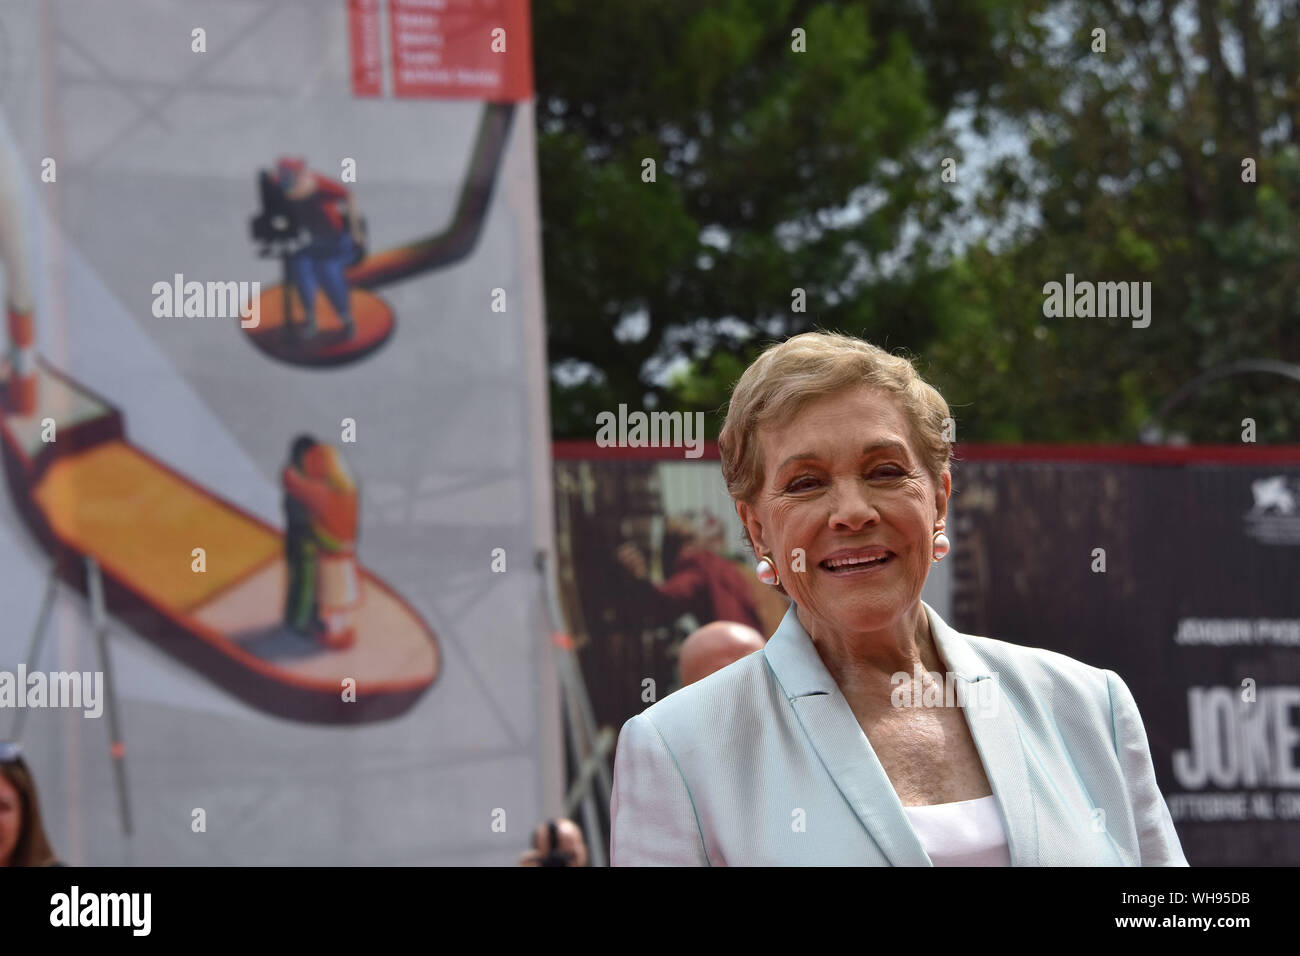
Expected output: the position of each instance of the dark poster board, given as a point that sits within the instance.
(625, 632)
(1200, 595)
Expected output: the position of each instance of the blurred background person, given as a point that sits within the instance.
(22, 835)
(321, 501)
(556, 843)
(335, 238)
(714, 646)
(301, 613)
(699, 580)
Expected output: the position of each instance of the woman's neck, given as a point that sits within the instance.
(865, 660)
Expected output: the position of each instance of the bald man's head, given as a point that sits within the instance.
(714, 646)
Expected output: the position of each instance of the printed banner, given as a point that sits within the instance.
(442, 49)
(651, 551)
(271, 582)
(1179, 576)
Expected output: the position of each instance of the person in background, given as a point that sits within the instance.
(317, 484)
(701, 582)
(301, 613)
(334, 240)
(838, 458)
(713, 647)
(22, 836)
(556, 843)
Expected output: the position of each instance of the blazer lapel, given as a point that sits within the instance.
(843, 748)
(996, 732)
(845, 751)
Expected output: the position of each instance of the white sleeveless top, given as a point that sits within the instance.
(966, 833)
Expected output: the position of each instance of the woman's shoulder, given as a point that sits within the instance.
(1054, 692)
(1038, 668)
(731, 693)
(1027, 654)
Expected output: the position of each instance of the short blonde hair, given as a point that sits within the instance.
(793, 373)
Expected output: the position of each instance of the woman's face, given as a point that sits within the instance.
(11, 820)
(841, 480)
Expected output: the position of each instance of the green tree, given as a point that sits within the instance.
(820, 171)
(1134, 162)
(776, 170)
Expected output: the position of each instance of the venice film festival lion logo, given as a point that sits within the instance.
(1274, 517)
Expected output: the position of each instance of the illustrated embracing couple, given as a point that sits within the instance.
(321, 516)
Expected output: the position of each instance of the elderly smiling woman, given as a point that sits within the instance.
(805, 752)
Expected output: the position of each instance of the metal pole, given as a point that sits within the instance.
(584, 742)
(38, 638)
(581, 756)
(1150, 432)
(117, 749)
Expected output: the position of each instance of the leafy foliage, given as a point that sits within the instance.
(820, 170)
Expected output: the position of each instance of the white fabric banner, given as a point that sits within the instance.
(316, 528)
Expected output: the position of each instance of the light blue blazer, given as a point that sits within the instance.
(716, 773)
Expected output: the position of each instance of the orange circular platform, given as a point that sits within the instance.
(372, 316)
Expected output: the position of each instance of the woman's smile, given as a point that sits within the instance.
(856, 564)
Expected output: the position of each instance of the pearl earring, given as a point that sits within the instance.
(941, 547)
(766, 571)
